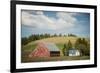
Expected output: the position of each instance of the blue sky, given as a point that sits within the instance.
(40, 22)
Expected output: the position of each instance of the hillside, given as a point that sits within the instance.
(56, 40)
(59, 41)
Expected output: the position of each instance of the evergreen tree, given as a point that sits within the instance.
(64, 49)
(24, 41)
(69, 45)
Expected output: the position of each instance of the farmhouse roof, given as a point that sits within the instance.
(73, 49)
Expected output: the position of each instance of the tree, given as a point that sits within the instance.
(81, 48)
(24, 41)
(78, 41)
(83, 45)
(64, 50)
(88, 49)
(55, 35)
(60, 35)
(72, 35)
(69, 46)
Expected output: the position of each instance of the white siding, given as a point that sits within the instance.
(74, 53)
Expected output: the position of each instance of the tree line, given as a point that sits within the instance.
(34, 37)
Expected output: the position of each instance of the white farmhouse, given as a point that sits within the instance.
(73, 52)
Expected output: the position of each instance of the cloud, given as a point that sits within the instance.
(68, 17)
(38, 19)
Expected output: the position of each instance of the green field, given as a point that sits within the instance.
(59, 41)
(46, 59)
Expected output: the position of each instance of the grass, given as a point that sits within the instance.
(47, 59)
(59, 41)
(29, 47)
(60, 46)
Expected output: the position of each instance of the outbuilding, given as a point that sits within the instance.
(73, 52)
(45, 49)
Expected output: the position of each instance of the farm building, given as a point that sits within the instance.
(45, 50)
(73, 52)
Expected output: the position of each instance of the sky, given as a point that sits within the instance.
(51, 22)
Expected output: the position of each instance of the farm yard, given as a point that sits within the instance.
(59, 42)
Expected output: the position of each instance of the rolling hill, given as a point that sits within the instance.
(59, 41)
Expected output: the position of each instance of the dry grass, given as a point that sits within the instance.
(57, 40)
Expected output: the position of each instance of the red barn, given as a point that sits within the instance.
(45, 50)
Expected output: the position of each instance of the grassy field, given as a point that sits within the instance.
(29, 47)
(45, 59)
(59, 41)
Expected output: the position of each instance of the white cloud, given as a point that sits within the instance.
(39, 20)
(68, 17)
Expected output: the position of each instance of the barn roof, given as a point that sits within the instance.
(52, 47)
